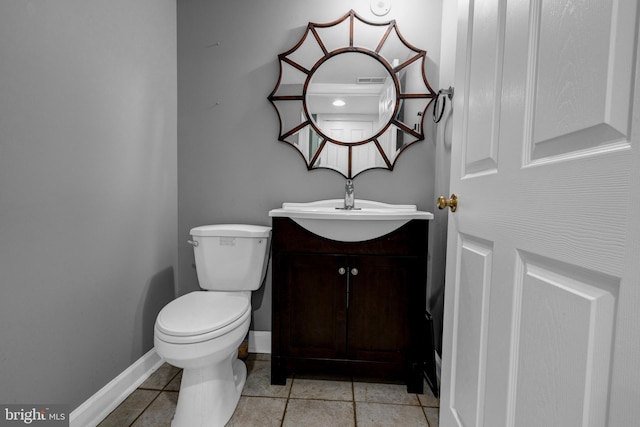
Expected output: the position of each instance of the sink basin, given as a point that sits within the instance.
(369, 220)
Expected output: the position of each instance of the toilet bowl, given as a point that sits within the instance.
(213, 377)
(200, 331)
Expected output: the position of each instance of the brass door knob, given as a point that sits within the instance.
(443, 202)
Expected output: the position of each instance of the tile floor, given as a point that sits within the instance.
(302, 402)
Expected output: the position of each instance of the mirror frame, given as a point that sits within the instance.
(416, 55)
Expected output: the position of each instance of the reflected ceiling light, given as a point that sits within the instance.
(338, 103)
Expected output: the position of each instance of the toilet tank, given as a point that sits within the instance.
(231, 257)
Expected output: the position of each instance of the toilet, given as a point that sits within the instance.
(200, 332)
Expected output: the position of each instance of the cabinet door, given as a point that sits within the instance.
(314, 321)
(384, 296)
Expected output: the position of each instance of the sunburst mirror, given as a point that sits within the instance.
(352, 95)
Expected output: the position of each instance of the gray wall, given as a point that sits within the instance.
(442, 170)
(88, 191)
(231, 167)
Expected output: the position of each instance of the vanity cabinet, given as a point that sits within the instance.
(353, 308)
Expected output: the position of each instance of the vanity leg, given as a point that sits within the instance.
(278, 376)
(415, 382)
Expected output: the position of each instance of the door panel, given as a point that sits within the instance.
(312, 284)
(542, 284)
(470, 328)
(563, 342)
(582, 77)
(483, 106)
(381, 286)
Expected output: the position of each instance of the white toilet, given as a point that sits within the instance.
(201, 331)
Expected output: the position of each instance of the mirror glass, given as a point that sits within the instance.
(351, 95)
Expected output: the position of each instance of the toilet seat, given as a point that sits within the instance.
(201, 316)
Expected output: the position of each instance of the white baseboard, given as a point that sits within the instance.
(438, 367)
(98, 406)
(260, 342)
(101, 404)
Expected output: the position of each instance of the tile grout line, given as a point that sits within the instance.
(353, 395)
(286, 405)
(425, 417)
(154, 399)
(145, 408)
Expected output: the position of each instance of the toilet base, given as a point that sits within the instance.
(209, 395)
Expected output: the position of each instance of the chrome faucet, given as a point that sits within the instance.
(349, 195)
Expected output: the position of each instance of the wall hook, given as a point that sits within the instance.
(448, 92)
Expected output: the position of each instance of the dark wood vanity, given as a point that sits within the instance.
(349, 308)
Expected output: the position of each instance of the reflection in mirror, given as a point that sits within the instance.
(351, 95)
(354, 103)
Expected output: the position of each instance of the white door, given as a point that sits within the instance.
(542, 303)
(345, 131)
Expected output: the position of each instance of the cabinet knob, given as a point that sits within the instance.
(354, 271)
(342, 270)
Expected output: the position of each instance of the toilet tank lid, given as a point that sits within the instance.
(231, 230)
